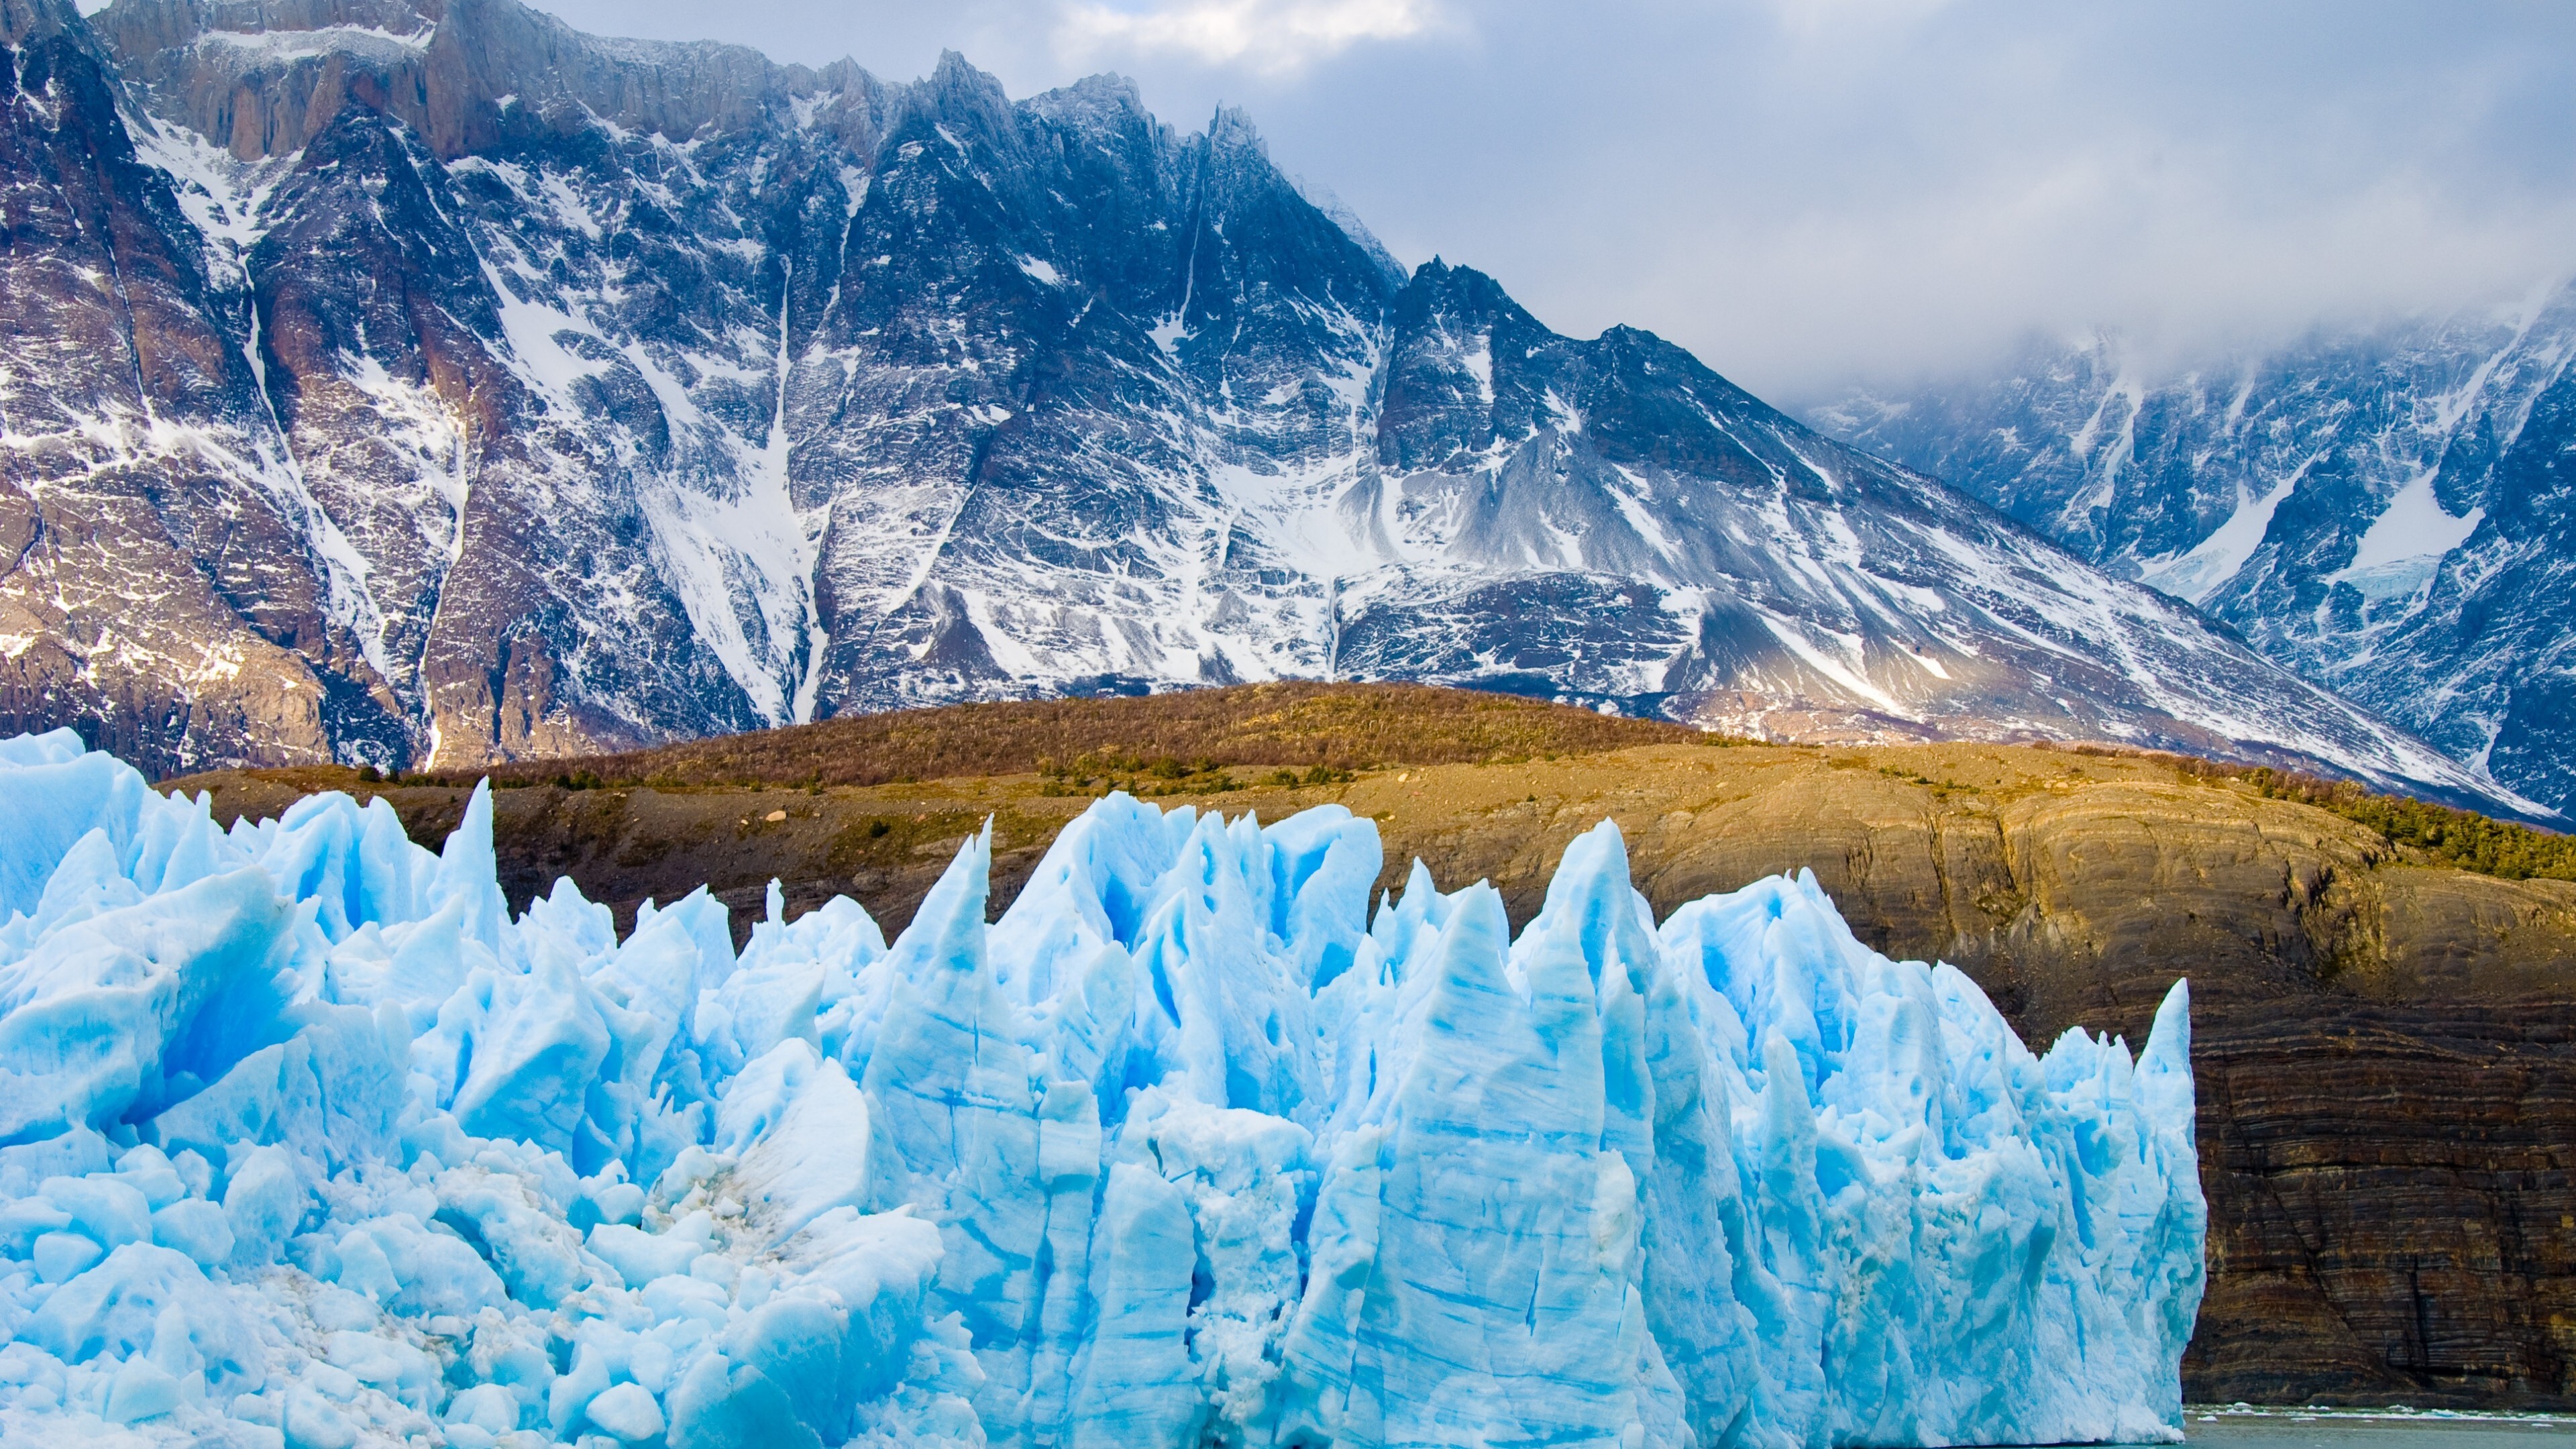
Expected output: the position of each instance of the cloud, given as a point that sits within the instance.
(1268, 36)
(1815, 20)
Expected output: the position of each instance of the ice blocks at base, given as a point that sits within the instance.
(305, 1140)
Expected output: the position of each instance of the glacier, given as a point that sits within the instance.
(307, 1140)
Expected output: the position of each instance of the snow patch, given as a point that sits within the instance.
(742, 558)
(568, 206)
(530, 328)
(2209, 564)
(2405, 544)
(271, 46)
(1478, 358)
(1852, 676)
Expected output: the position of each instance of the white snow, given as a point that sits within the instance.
(1852, 676)
(530, 328)
(569, 206)
(224, 198)
(736, 549)
(277, 45)
(418, 424)
(2128, 394)
(2406, 542)
(2203, 569)
(1478, 358)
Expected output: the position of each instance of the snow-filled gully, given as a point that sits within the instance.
(308, 1141)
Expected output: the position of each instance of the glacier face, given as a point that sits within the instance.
(309, 1141)
(435, 384)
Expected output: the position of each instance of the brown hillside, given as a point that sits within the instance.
(1304, 724)
(2385, 1044)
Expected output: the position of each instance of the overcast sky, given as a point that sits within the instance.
(1815, 194)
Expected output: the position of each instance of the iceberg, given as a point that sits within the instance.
(306, 1140)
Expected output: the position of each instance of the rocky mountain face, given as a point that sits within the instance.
(428, 383)
(2388, 513)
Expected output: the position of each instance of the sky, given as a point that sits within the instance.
(1815, 195)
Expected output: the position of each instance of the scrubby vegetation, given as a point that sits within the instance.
(1303, 734)
(1166, 743)
(2459, 838)
(1102, 771)
(2462, 839)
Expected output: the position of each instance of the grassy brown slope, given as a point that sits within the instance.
(2385, 1046)
(1299, 724)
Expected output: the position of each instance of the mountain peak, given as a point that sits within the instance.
(955, 75)
(1231, 129)
(1457, 296)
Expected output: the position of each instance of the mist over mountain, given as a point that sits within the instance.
(2388, 511)
(434, 384)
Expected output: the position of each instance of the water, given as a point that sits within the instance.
(2320, 1429)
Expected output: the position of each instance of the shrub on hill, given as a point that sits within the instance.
(2460, 838)
(1302, 726)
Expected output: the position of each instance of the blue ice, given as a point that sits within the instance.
(306, 1140)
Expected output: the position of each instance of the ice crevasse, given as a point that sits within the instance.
(306, 1140)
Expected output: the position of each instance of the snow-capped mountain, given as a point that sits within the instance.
(2388, 512)
(432, 383)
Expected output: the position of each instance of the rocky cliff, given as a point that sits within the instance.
(2388, 1080)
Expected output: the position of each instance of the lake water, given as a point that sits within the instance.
(2277, 1429)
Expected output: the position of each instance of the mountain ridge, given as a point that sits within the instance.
(472, 416)
(2381, 509)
